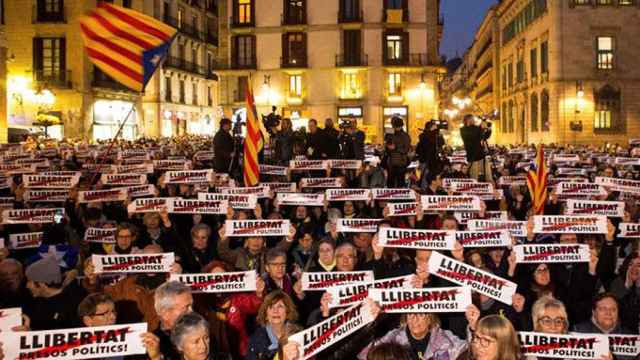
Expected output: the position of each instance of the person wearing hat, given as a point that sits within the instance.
(397, 146)
(223, 147)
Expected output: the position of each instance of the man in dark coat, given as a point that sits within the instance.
(474, 138)
(223, 147)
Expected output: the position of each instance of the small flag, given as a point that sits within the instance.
(127, 45)
(253, 142)
(537, 183)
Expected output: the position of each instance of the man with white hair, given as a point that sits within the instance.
(171, 300)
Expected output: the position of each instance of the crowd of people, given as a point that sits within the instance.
(57, 286)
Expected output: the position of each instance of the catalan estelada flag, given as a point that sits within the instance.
(127, 45)
(537, 183)
(253, 142)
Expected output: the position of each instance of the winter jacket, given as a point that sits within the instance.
(473, 136)
(398, 157)
(223, 147)
(242, 260)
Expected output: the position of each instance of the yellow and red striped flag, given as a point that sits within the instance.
(253, 142)
(127, 45)
(537, 183)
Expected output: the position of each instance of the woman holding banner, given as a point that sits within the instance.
(494, 339)
(276, 316)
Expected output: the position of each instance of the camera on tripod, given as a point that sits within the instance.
(272, 120)
(440, 124)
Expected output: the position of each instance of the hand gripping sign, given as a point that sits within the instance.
(552, 253)
(416, 239)
(588, 207)
(100, 235)
(574, 346)
(321, 336)
(570, 224)
(463, 274)
(629, 230)
(133, 263)
(190, 206)
(347, 295)
(10, 318)
(480, 239)
(394, 194)
(357, 225)
(25, 240)
(241, 281)
(450, 203)
(624, 345)
(348, 194)
(296, 199)
(315, 281)
(257, 228)
(188, 177)
(402, 209)
(236, 201)
(30, 216)
(75, 344)
(436, 300)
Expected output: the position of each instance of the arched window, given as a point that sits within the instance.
(534, 112)
(504, 118)
(607, 114)
(512, 115)
(544, 110)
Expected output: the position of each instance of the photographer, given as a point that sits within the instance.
(351, 141)
(475, 139)
(428, 150)
(284, 143)
(397, 145)
(223, 147)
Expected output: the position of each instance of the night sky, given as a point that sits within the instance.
(461, 20)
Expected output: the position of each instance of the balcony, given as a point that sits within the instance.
(186, 29)
(413, 60)
(299, 18)
(293, 62)
(395, 16)
(350, 17)
(181, 64)
(61, 80)
(351, 60)
(48, 16)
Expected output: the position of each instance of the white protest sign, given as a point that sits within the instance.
(236, 201)
(621, 185)
(565, 158)
(145, 205)
(75, 344)
(629, 230)
(575, 188)
(300, 199)
(7, 202)
(416, 239)
(450, 203)
(348, 194)
(256, 228)
(573, 171)
(25, 240)
(552, 253)
(357, 225)
(320, 182)
(627, 161)
(259, 191)
(123, 179)
(190, 206)
(345, 164)
(321, 336)
(171, 165)
(141, 190)
(277, 187)
(203, 156)
(135, 169)
(402, 209)
(118, 194)
(100, 235)
(574, 346)
(31, 195)
(133, 263)
(394, 194)
(463, 217)
(313, 281)
(50, 181)
(479, 239)
(472, 187)
(10, 318)
(463, 274)
(347, 295)
(241, 281)
(576, 224)
(295, 165)
(273, 170)
(30, 216)
(188, 177)
(624, 345)
(432, 300)
(592, 207)
(448, 182)
(512, 180)
(515, 228)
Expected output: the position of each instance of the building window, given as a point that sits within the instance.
(244, 56)
(50, 11)
(243, 12)
(294, 12)
(294, 50)
(350, 86)
(180, 17)
(351, 47)
(394, 47)
(544, 58)
(295, 86)
(194, 93)
(533, 61)
(168, 96)
(182, 91)
(534, 112)
(393, 4)
(607, 109)
(504, 77)
(194, 55)
(395, 84)
(510, 74)
(544, 111)
(504, 118)
(604, 2)
(209, 96)
(349, 10)
(604, 52)
(512, 115)
(581, 2)
(533, 10)
(625, 2)
(520, 71)
(49, 59)
(242, 88)
(127, 3)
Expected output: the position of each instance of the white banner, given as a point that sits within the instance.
(450, 203)
(259, 191)
(190, 206)
(188, 177)
(273, 170)
(314, 281)
(629, 230)
(239, 201)
(621, 185)
(565, 158)
(146, 205)
(30, 216)
(402, 209)
(345, 164)
(140, 191)
(552, 253)
(512, 180)
(75, 344)
(627, 161)
(589, 207)
(576, 224)
(100, 235)
(320, 183)
(50, 181)
(123, 179)
(347, 295)
(321, 336)
(10, 318)
(573, 188)
(99, 168)
(432, 300)
(348, 194)
(171, 165)
(394, 194)
(416, 239)
(203, 156)
(472, 187)
(463, 217)
(25, 240)
(448, 182)
(479, 239)
(277, 187)
(7, 202)
(119, 194)
(624, 345)
(142, 169)
(31, 195)
(300, 199)
(463, 274)
(133, 263)
(308, 165)
(357, 225)
(257, 227)
(515, 228)
(574, 346)
(241, 281)
(573, 171)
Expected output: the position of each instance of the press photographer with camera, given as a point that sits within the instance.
(475, 139)
(428, 149)
(397, 146)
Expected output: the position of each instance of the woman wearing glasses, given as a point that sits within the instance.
(494, 339)
(276, 317)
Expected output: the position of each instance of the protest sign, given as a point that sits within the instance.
(394, 194)
(463, 274)
(629, 230)
(188, 177)
(479, 239)
(45, 196)
(345, 164)
(277, 187)
(146, 205)
(100, 235)
(627, 161)
(416, 239)
(25, 240)
(10, 318)
(347, 295)
(99, 168)
(7, 202)
(472, 187)
(171, 165)
(348, 194)
(328, 332)
(450, 203)
(273, 170)
(571, 224)
(314, 281)
(257, 228)
(357, 225)
(403, 282)
(118, 194)
(240, 281)
(296, 165)
(62, 173)
(133, 263)
(320, 182)
(621, 185)
(50, 181)
(190, 206)
(203, 155)
(237, 201)
(447, 183)
(141, 190)
(431, 300)
(592, 207)
(512, 180)
(75, 344)
(123, 179)
(31, 216)
(463, 217)
(552, 253)
(577, 188)
(565, 158)
(402, 209)
(515, 228)
(624, 345)
(299, 199)
(260, 191)
(141, 169)
(574, 346)
(573, 171)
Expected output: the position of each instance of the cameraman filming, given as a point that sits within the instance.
(428, 150)
(475, 139)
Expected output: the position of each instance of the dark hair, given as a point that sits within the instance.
(225, 121)
(89, 304)
(389, 351)
(272, 299)
(431, 177)
(397, 121)
(602, 296)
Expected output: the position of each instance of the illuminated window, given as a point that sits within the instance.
(607, 112)
(295, 85)
(395, 85)
(180, 17)
(534, 112)
(605, 52)
(244, 12)
(394, 47)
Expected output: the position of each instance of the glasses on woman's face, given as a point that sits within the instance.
(549, 322)
(483, 341)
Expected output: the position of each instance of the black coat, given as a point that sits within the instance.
(331, 143)
(223, 149)
(473, 136)
(315, 144)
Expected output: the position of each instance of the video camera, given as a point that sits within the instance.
(440, 124)
(271, 121)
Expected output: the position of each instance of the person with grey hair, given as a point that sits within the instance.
(190, 336)
(171, 300)
(13, 292)
(276, 277)
(199, 251)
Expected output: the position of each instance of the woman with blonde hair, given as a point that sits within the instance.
(494, 339)
(276, 316)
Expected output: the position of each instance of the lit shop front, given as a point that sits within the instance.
(108, 115)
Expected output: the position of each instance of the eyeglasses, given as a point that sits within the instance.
(558, 322)
(483, 341)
